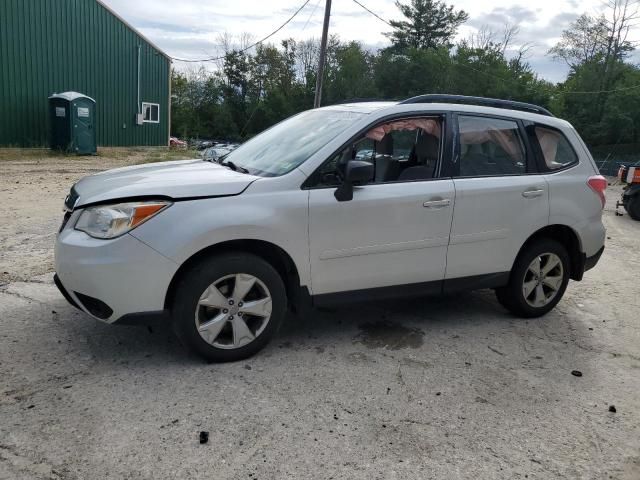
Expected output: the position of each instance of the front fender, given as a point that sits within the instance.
(188, 227)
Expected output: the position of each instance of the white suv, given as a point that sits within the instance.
(348, 202)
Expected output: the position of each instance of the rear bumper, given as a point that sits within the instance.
(590, 262)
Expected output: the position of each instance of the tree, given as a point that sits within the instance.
(413, 72)
(595, 48)
(584, 41)
(428, 24)
(349, 73)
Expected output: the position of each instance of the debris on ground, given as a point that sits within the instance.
(204, 437)
(612, 408)
(576, 373)
(495, 350)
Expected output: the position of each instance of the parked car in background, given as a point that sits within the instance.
(629, 175)
(175, 142)
(214, 153)
(201, 144)
(432, 194)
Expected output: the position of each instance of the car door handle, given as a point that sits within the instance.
(533, 193)
(437, 203)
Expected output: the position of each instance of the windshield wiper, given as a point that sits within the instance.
(233, 166)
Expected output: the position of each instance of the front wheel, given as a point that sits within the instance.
(228, 307)
(538, 280)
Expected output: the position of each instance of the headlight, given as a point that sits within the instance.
(110, 221)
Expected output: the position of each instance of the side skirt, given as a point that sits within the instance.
(491, 280)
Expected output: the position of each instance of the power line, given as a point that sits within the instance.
(570, 92)
(374, 14)
(310, 16)
(211, 59)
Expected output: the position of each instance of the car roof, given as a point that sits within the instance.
(384, 108)
(361, 107)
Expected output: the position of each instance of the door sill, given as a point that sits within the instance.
(475, 282)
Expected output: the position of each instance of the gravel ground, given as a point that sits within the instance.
(446, 387)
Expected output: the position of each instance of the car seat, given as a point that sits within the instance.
(425, 155)
(386, 168)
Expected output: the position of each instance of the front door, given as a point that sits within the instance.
(395, 230)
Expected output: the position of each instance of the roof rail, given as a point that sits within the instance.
(480, 101)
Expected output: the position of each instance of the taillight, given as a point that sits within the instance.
(598, 184)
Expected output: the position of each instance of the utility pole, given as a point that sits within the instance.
(323, 54)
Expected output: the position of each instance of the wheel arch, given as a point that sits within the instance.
(567, 237)
(270, 252)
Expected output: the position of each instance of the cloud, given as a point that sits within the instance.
(190, 28)
(500, 16)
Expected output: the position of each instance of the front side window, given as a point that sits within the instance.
(490, 147)
(556, 151)
(400, 150)
(150, 112)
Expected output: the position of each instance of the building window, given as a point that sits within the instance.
(150, 112)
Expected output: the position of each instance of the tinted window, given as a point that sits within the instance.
(490, 146)
(556, 151)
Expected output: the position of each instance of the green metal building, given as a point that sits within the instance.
(54, 46)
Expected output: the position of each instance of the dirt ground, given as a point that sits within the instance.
(447, 387)
(33, 185)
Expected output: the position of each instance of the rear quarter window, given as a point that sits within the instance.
(556, 150)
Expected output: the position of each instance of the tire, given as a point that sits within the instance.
(633, 207)
(549, 254)
(227, 307)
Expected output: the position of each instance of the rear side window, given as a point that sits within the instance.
(556, 151)
(490, 147)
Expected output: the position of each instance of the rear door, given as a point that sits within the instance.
(501, 199)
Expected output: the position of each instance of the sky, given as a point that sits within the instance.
(191, 29)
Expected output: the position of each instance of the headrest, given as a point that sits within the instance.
(427, 146)
(385, 146)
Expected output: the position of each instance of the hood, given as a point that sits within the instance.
(178, 179)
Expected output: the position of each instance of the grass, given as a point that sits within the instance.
(137, 154)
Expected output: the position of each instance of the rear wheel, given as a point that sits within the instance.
(538, 280)
(633, 207)
(229, 306)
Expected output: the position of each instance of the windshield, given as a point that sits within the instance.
(288, 144)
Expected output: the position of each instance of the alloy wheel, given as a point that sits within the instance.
(233, 311)
(542, 280)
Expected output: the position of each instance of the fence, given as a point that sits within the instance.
(610, 157)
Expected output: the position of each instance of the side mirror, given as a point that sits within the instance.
(356, 172)
(359, 171)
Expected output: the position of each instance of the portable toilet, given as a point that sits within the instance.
(73, 118)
